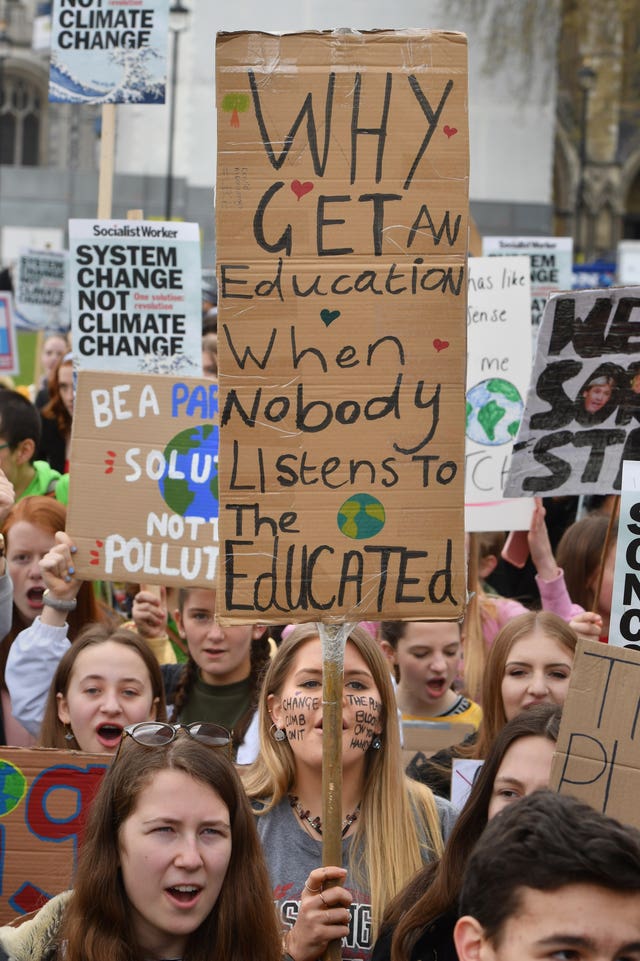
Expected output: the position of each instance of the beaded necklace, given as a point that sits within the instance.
(316, 823)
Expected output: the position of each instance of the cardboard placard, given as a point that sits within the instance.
(551, 260)
(342, 204)
(143, 502)
(108, 51)
(498, 375)
(583, 406)
(624, 621)
(135, 296)
(44, 797)
(597, 758)
(42, 290)
(9, 363)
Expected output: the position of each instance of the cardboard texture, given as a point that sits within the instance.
(498, 375)
(597, 758)
(342, 213)
(624, 621)
(143, 502)
(44, 797)
(583, 404)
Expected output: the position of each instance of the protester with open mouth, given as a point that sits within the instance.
(219, 682)
(29, 534)
(106, 681)
(391, 826)
(170, 866)
(529, 663)
(425, 656)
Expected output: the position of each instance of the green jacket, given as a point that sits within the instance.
(37, 938)
(48, 481)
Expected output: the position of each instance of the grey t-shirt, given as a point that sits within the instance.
(291, 854)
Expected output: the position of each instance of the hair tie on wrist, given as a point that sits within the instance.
(57, 603)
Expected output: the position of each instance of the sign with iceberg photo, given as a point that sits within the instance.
(109, 51)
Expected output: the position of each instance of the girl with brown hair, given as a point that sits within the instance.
(529, 663)
(170, 865)
(106, 681)
(419, 922)
(57, 417)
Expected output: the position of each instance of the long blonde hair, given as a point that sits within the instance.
(395, 811)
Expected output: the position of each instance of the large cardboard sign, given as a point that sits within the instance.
(42, 290)
(583, 406)
(44, 799)
(597, 758)
(498, 375)
(342, 203)
(108, 51)
(135, 296)
(143, 502)
(624, 623)
(551, 260)
(8, 349)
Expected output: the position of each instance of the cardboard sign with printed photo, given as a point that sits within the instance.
(145, 449)
(582, 417)
(498, 375)
(342, 204)
(596, 758)
(135, 296)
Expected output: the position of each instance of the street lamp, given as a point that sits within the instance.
(178, 21)
(587, 77)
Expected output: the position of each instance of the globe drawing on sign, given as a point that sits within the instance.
(13, 787)
(361, 516)
(189, 484)
(494, 412)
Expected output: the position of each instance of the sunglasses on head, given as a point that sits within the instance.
(159, 733)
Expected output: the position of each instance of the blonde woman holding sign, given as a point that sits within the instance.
(391, 826)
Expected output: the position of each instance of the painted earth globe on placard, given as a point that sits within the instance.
(494, 412)
(13, 787)
(192, 453)
(361, 516)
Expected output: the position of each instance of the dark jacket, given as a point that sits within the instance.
(434, 944)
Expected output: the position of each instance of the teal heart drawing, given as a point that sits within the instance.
(328, 316)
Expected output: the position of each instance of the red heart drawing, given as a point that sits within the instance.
(300, 189)
(449, 131)
(440, 344)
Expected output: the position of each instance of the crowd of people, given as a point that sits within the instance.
(211, 812)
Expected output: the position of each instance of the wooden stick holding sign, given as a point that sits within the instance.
(107, 154)
(334, 638)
